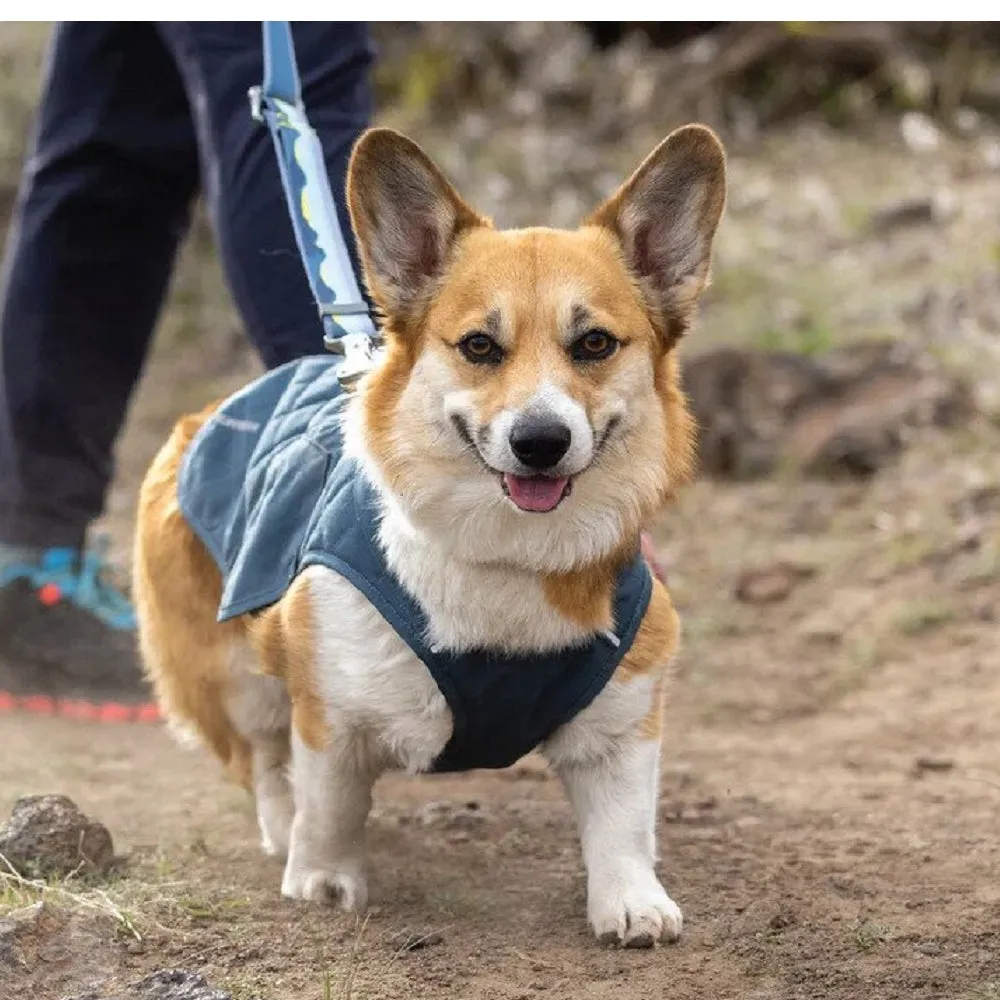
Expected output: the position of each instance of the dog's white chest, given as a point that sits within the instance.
(371, 682)
(472, 606)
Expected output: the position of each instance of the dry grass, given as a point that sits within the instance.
(17, 891)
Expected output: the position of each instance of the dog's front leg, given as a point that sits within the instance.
(332, 789)
(614, 794)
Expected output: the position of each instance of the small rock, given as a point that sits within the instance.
(770, 584)
(927, 764)
(177, 984)
(937, 208)
(405, 941)
(856, 452)
(868, 421)
(929, 948)
(847, 413)
(48, 834)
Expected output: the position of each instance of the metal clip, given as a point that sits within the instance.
(256, 104)
(360, 352)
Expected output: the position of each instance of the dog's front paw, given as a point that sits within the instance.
(345, 885)
(633, 912)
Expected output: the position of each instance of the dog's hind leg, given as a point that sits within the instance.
(261, 712)
(273, 794)
(331, 771)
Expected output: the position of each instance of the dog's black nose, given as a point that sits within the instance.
(539, 442)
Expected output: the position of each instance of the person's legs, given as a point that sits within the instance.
(103, 205)
(219, 62)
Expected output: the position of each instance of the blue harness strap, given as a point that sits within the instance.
(348, 327)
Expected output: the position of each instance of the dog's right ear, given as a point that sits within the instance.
(407, 219)
(664, 217)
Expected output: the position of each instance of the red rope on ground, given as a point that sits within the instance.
(108, 711)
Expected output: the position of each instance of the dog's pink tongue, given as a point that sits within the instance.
(535, 492)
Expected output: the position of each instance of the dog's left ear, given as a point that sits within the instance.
(665, 216)
(407, 219)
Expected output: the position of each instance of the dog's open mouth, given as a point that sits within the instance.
(536, 493)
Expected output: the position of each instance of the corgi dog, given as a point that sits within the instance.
(523, 426)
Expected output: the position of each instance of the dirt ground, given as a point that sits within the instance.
(831, 787)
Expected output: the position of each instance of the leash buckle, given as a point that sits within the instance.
(256, 104)
(360, 352)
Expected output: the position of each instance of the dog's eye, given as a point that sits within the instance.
(594, 345)
(480, 349)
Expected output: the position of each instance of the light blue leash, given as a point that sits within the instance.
(348, 328)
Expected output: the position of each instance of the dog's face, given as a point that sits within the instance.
(528, 410)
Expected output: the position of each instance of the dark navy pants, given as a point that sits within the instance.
(135, 119)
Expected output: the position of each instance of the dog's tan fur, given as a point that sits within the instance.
(175, 579)
(464, 276)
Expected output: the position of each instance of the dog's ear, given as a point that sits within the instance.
(407, 219)
(664, 217)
